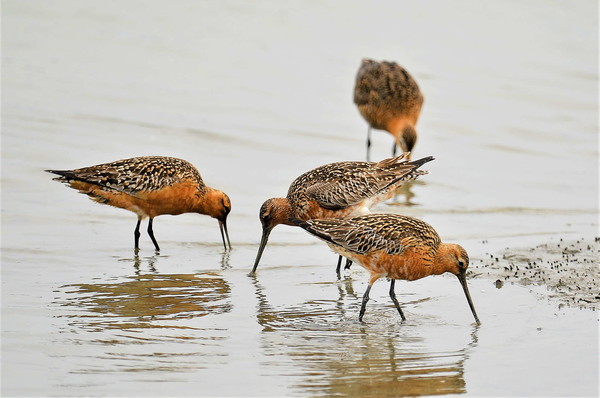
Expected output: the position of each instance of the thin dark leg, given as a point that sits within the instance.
(348, 263)
(136, 234)
(363, 306)
(393, 297)
(394, 149)
(368, 144)
(339, 265)
(151, 233)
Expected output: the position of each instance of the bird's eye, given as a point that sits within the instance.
(461, 263)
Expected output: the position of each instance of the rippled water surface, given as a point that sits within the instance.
(254, 94)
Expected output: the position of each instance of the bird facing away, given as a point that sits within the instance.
(337, 190)
(388, 98)
(392, 246)
(150, 186)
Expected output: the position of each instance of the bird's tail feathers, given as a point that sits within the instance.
(63, 175)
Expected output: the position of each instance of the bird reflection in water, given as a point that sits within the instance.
(388, 363)
(335, 355)
(404, 194)
(137, 263)
(225, 257)
(140, 300)
(311, 314)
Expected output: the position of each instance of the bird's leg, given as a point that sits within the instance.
(363, 306)
(136, 235)
(394, 149)
(368, 144)
(339, 265)
(151, 233)
(393, 297)
(348, 263)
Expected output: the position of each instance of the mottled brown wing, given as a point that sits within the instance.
(135, 175)
(339, 185)
(334, 186)
(363, 234)
(386, 84)
(340, 194)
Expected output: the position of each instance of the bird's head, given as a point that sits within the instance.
(456, 260)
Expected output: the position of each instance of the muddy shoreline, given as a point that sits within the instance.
(568, 268)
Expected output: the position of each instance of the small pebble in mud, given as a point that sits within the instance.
(499, 284)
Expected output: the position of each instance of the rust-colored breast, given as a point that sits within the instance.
(311, 209)
(175, 199)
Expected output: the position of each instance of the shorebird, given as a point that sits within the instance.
(337, 190)
(150, 186)
(388, 98)
(392, 246)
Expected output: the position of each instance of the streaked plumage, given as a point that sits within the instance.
(392, 246)
(150, 186)
(388, 98)
(337, 190)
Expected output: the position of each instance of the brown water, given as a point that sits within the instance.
(254, 95)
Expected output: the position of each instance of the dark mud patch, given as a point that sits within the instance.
(570, 269)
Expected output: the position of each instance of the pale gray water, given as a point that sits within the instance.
(254, 94)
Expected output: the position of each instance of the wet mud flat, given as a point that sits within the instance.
(568, 268)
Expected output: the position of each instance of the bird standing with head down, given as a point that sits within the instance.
(150, 186)
(388, 98)
(392, 246)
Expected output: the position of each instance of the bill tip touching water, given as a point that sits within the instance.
(150, 186)
(392, 246)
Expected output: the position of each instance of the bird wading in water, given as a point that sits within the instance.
(388, 98)
(150, 186)
(392, 246)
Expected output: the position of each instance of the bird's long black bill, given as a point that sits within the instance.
(463, 281)
(261, 248)
(223, 227)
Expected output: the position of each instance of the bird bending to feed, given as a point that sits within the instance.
(388, 98)
(337, 190)
(392, 246)
(150, 186)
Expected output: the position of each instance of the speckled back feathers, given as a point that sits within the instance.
(339, 185)
(386, 84)
(133, 175)
(392, 233)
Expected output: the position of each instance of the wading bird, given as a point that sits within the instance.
(392, 246)
(388, 98)
(150, 186)
(337, 190)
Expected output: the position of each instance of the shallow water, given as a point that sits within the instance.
(254, 95)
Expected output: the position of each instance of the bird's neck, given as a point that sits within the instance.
(209, 204)
(281, 211)
(444, 260)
